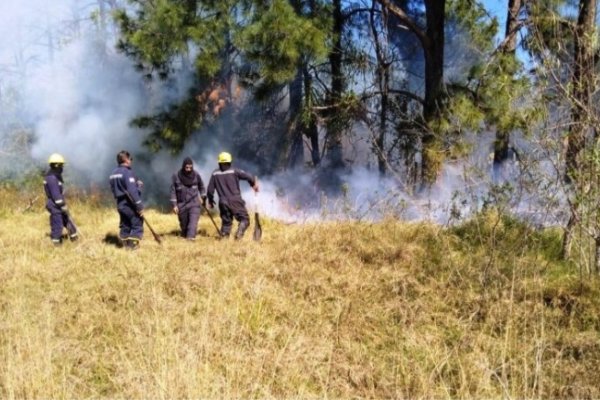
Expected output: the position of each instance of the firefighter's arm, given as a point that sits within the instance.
(210, 192)
(201, 189)
(55, 194)
(132, 190)
(173, 198)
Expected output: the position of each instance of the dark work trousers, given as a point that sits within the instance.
(188, 221)
(233, 208)
(131, 225)
(58, 221)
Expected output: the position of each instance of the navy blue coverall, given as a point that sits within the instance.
(127, 193)
(187, 199)
(226, 181)
(57, 207)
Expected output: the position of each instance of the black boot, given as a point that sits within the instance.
(241, 229)
(225, 232)
(132, 244)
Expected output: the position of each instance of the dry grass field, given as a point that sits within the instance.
(331, 310)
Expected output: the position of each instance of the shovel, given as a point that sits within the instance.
(257, 228)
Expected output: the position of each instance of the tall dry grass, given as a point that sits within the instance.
(336, 310)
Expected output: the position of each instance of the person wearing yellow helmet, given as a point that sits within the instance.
(55, 201)
(226, 182)
(225, 157)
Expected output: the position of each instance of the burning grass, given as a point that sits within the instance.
(372, 310)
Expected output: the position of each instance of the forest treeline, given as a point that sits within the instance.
(415, 75)
(292, 83)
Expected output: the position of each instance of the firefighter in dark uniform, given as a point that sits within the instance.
(226, 181)
(126, 189)
(187, 191)
(55, 203)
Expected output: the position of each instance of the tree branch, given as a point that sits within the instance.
(399, 92)
(408, 22)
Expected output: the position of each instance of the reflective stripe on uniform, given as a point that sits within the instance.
(226, 172)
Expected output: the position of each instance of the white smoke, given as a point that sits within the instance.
(77, 95)
(82, 106)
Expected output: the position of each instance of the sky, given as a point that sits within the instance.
(497, 8)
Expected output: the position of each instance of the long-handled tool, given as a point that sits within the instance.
(70, 221)
(73, 226)
(154, 234)
(257, 234)
(211, 218)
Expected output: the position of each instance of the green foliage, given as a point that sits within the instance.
(472, 18)
(171, 128)
(497, 92)
(462, 115)
(278, 39)
(158, 34)
(271, 39)
(164, 29)
(551, 29)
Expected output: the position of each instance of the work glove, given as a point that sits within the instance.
(64, 209)
(176, 209)
(203, 198)
(211, 204)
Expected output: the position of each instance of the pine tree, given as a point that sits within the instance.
(262, 45)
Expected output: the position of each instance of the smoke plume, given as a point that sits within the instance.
(64, 88)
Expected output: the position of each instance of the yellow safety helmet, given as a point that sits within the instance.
(56, 159)
(224, 157)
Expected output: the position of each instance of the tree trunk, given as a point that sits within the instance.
(568, 237)
(512, 22)
(581, 102)
(312, 129)
(434, 87)
(383, 78)
(432, 40)
(334, 121)
(381, 158)
(582, 82)
(502, 141)
(597, 254)
(296, 157)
